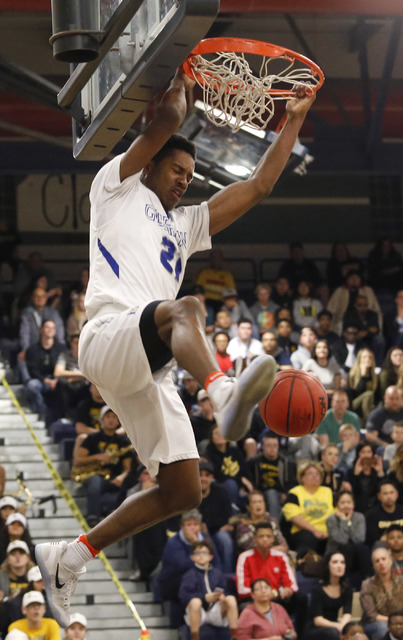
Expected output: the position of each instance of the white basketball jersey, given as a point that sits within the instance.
(138, 251)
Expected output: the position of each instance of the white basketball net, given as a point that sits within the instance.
(234, 95)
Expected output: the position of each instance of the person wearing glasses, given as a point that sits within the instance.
(203, 592)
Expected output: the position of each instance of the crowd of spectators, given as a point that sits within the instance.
(24, 610)
(289, 529)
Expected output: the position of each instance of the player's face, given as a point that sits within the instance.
(170, 178)
(395, 541)
(76, 631)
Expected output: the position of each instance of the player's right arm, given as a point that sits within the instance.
(168, 117)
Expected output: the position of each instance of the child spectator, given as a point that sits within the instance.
(204, 594)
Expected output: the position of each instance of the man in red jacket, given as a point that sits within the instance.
(273, 566)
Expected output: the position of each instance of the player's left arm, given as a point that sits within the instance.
(232, 202)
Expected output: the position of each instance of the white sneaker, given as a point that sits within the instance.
(234, 415)
(60, 583)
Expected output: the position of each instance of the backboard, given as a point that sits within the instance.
(142, 42)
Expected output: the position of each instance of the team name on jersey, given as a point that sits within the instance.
(163, 220)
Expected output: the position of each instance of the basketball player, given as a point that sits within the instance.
(139, 245)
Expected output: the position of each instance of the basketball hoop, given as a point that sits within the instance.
(235, 94)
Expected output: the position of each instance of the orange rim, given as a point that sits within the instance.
(242, 45)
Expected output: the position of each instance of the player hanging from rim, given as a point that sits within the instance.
(139, 245)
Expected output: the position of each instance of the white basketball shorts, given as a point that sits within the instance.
(112, 356)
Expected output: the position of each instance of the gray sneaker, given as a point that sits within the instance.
(60, 583)
(254, 383)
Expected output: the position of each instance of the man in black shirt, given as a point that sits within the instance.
(104, 460)
(272, 474)
(388, 512)
(41, 386)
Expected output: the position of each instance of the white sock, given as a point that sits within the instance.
(219, 390)
(76, 556)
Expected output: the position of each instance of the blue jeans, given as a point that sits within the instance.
(102, 496)
(273, 502)
(225, 547)
(376, 630)
(36, 391)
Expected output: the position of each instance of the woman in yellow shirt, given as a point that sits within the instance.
(307, 507)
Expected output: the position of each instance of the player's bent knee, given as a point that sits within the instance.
(186, 307)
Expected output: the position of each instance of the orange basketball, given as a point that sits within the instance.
(296, 405)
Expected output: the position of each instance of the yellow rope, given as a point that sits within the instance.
(66, 495)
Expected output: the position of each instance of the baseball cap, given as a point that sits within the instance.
(16, 634)
(202, 395)
(31, 597)
(103, 411)
(8, 501)
(229, 292)
(16, 517)
(34, 574)
(206, 466)
(78, 617)
(18, 544)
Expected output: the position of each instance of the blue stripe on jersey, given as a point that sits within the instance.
(109, 259)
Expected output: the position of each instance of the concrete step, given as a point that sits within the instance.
(125, 623)
(110, 598)
(11, 416)
(116, 634)
(35, 470)
(86, 587)
(16, 436)
(122, 612)
(25, 450)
